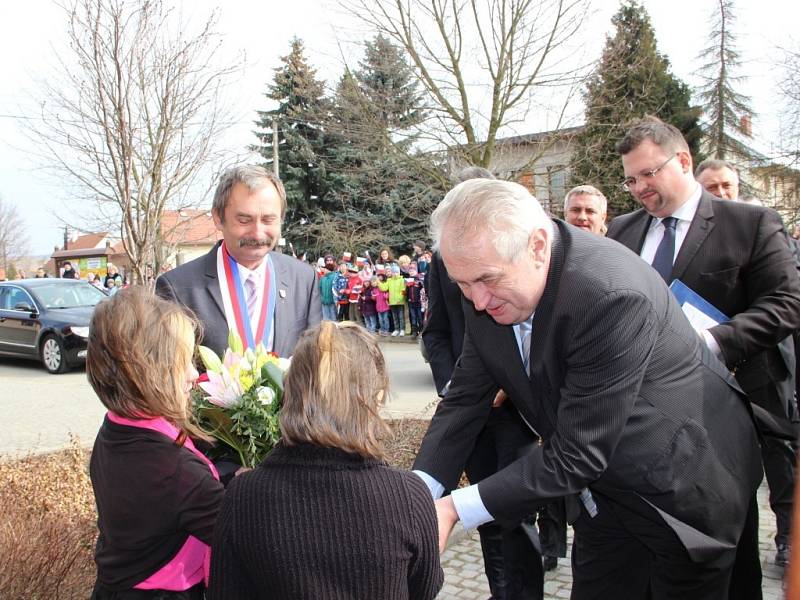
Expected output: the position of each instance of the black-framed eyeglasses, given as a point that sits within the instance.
(629, 182)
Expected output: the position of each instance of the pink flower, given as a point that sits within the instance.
(222, 389)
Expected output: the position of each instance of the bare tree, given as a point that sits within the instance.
(133, 123)
(779, 175)
(483, 64)
(13, 240)
(727, 111)
(789, 90)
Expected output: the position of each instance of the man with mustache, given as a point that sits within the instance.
(241, 284)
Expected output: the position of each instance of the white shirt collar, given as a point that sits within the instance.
(259, 271)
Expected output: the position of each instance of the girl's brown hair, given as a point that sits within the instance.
(333, 390)
(390, 256)
(140, 347)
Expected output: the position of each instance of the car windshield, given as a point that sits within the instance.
(68, 295)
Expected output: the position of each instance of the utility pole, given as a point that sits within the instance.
(275, 166)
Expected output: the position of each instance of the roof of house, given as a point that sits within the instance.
(189, 227)
(91, 244)
(90, 240)
(71, 253)
(540, 135)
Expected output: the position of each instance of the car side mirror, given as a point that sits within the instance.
(25, 307)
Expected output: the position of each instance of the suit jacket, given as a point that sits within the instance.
(297, 306)
(443, 335)
(737, 257)
(627, 400)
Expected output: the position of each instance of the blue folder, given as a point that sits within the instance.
(686, 295)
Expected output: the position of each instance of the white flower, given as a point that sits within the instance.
(266, 395)
(284, 363)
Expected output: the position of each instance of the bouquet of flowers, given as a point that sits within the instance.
(239, 398)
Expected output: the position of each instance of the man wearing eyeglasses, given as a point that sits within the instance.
(736, 256)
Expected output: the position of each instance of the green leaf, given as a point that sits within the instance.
(210, 359)
(271, 373)
(235, 342)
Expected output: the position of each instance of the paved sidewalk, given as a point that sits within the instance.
(464, 578)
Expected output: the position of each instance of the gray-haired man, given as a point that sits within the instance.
(241, 284)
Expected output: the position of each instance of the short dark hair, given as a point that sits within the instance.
(665, 136)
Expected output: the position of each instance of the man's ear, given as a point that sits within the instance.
(685, 159)
(537, 246)
(217, 219)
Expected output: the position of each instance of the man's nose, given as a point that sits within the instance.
(479, 295)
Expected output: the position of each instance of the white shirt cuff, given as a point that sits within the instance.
(712, 344)
(469, 507)
(436, 488)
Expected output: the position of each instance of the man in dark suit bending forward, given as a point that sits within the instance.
(640, 427)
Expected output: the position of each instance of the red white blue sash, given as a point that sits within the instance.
(235, 301)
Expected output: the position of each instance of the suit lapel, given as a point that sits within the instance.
(701, 226)
(283, 307)
(633, 235)
(504, 351)
(211, 282)
(541, 344)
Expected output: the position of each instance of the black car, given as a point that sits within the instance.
(47, 319)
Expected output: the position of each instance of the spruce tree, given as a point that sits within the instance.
(724, 106)
(301, 112)
(631, 80)
(381, 191)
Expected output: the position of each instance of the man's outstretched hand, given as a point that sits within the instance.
(447, 516)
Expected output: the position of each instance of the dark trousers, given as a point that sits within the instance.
(344, 311)
(552, 524)
(778, 457)
(746, 576)
(622, 554)
(779, 461)
(511, 554)
(397, 317)
(415, 316)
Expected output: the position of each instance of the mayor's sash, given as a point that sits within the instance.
(235, 303)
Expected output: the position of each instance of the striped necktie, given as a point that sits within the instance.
(525, 330)
(251, 288)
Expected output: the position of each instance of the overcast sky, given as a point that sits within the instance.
(32, 32)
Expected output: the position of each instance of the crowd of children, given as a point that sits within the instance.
(380, 294)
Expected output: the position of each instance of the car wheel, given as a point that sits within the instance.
(52, 354)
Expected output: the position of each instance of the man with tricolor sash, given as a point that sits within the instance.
(242, 284)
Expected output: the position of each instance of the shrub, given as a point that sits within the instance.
(47, 527)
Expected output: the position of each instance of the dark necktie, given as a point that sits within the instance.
(665, 253)
(525, 330)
